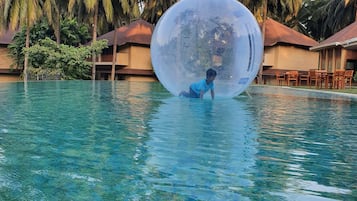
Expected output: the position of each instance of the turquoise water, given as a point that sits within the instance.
(84, 140)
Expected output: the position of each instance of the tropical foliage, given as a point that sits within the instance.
(284, 11)
(54, 10)
(321, 19)
(153, 10)
(73, 34)
(62, 61)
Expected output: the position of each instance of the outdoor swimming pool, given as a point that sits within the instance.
(84, 140)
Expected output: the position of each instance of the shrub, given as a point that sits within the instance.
(62, 61)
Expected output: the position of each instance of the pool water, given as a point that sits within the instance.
(102, 140)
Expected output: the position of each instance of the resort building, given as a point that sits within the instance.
(7, 73)
(286, 49)
(131, 47)
(339, 51)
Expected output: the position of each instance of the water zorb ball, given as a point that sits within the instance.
(195, 35)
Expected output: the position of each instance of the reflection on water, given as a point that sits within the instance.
(306, 148)
(84, 140)
(202, 149)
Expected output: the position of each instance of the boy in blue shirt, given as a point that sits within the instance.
(198, 89)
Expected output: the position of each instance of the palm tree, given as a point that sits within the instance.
(53, 10)
(18, 13)
(154, 9)
(101, 13)
(128, 12)
(131, 8)
(284, 11)
(321, 19)
(92, 10)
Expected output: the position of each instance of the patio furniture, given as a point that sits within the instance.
(321, 78)
(312, 77)
(280, 78)
(304, 77)
(329, 81)
(348, 78)
(338, 79)
(292, 76)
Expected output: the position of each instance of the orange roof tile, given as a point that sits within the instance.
(138, 32)
(278, 33)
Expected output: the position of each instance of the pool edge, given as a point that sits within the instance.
(307, 93)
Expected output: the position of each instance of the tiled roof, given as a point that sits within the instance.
(278, 33)
(138, 32)
(347, 37)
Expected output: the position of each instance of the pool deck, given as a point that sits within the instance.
(308, 93)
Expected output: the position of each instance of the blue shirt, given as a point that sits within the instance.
(201, 85)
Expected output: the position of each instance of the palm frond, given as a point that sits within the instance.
(108, 8)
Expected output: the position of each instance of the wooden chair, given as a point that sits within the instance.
(321, 77)
(304, 77)
(348, 78)
(292, 76)
(280, 78)
(338, 79)
(312, 77)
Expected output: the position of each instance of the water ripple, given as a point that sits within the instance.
(84, 140)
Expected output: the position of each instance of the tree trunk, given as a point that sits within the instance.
(27, 45)
(265, 8)
(58, 29)
(114, 54)
(94, 39)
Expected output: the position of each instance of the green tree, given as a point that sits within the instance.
(62, 61)
(73, 34)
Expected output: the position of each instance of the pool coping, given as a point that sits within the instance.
(298, 92)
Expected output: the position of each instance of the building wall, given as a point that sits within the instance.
(5, 63)
(122, 56)
(290, 58)
(134, 62)
(5, 60)
(351, 55)
(132, 57)
(9, 78)
(139, 58)
(269, 56)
